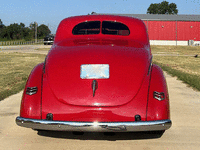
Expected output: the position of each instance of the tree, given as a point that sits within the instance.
(2, 32)
(17, 31)
(11, 31)
(32, 26)
(173, 8)
(28, 34)
(1, 24)
(162, 8)
(43, 31)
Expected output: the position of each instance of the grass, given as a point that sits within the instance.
(180, 50)
(183, 64)
(186, 64)
(43, 49)
(190, 79)
(15, 69)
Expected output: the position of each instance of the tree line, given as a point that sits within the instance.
(17, 31)
(162, 8)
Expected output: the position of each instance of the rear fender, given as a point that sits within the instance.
(31, 104)
(157, 109)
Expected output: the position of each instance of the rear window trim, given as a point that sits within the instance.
(74, 29)
(101, 28)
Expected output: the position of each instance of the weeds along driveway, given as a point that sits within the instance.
(183, 135)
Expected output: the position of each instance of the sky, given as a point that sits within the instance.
(51, 12)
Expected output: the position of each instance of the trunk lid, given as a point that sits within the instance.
(127, 68)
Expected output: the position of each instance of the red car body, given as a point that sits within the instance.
(133, 96)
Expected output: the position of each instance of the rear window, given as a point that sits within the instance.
(91, 27)
(115, 28)
(108, 27)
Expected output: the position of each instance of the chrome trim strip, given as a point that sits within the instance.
(94, 126)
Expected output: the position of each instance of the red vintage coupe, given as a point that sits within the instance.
(98, 76)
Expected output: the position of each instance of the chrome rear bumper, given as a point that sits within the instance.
(94, 126)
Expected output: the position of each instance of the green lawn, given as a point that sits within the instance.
(15, 69)
(185, 66)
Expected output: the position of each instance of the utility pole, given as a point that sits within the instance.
(176, 33)
(48, 25)
(35, 32)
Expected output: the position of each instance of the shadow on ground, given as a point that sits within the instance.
(101, 136)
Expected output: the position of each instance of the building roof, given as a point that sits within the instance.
(160, 17)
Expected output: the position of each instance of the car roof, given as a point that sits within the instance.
(136, 26)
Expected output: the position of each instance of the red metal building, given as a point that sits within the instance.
(171, 29)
